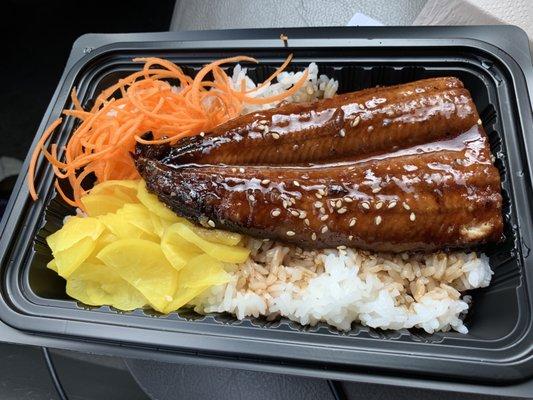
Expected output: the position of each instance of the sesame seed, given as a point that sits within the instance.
(234, 170)
(348, 199)
(303, 214)
(295, 213)
(341, 247)
(313, 236)
(318, 195)
(365, 206)
(324, 229)
(376, 190)
(377, 220)
(355, 121)
(353, 221)
(324, 217)
(338, 204)
(285, 204)
(342, 210)
(322, 192)
(263, 121)
(275, 135)
(479, 122)
(266, 129)
(292, 200)
(290, 233)
(202, 134)
(296, 183)
(318, 204)
(361, 106)
(406, 206)
(322, 210)
(392, 204)
(251, 197)
(350, 237)
(306, 221)
(260, 127)
(412, 217)
(211, 223)
(241, 170)
(379, 204)
(265, 181)
(276, 212)
(370, 128)
(342, 132)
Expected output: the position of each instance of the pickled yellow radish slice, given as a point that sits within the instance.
(222, 252)
(123, 229)
(122, 189)
(143, 265)
(182, 297)
(139, 216)
(96, 284)
(105, 238)
(52, 265)
(71, 258)
(202, 271)
(101, 204)
(74, 230)
(160, 224)
(218, 236)
(132, 251)
(151, 202)
(177, 250)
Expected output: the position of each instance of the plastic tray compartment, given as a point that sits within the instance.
(497, 348)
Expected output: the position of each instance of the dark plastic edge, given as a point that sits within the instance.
(93, 53)
(11, 335)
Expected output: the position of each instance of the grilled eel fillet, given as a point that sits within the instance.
(385, 169)
(438, 193)
(354, 124)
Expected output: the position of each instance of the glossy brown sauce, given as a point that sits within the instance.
(473, 143)
(386, 170)
(345, 126)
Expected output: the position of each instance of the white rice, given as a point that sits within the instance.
(342, 287)
(316, 87)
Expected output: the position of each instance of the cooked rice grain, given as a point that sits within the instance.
(316, 87)
(340, 287)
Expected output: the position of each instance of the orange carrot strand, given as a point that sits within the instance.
(104, 140)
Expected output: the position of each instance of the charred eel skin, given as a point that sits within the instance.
(345, 126)
(429, 196)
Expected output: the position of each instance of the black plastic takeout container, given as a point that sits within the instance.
(498, 349)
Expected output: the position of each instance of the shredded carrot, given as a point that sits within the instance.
(103, 141)
(33, 161)
(75, 101)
